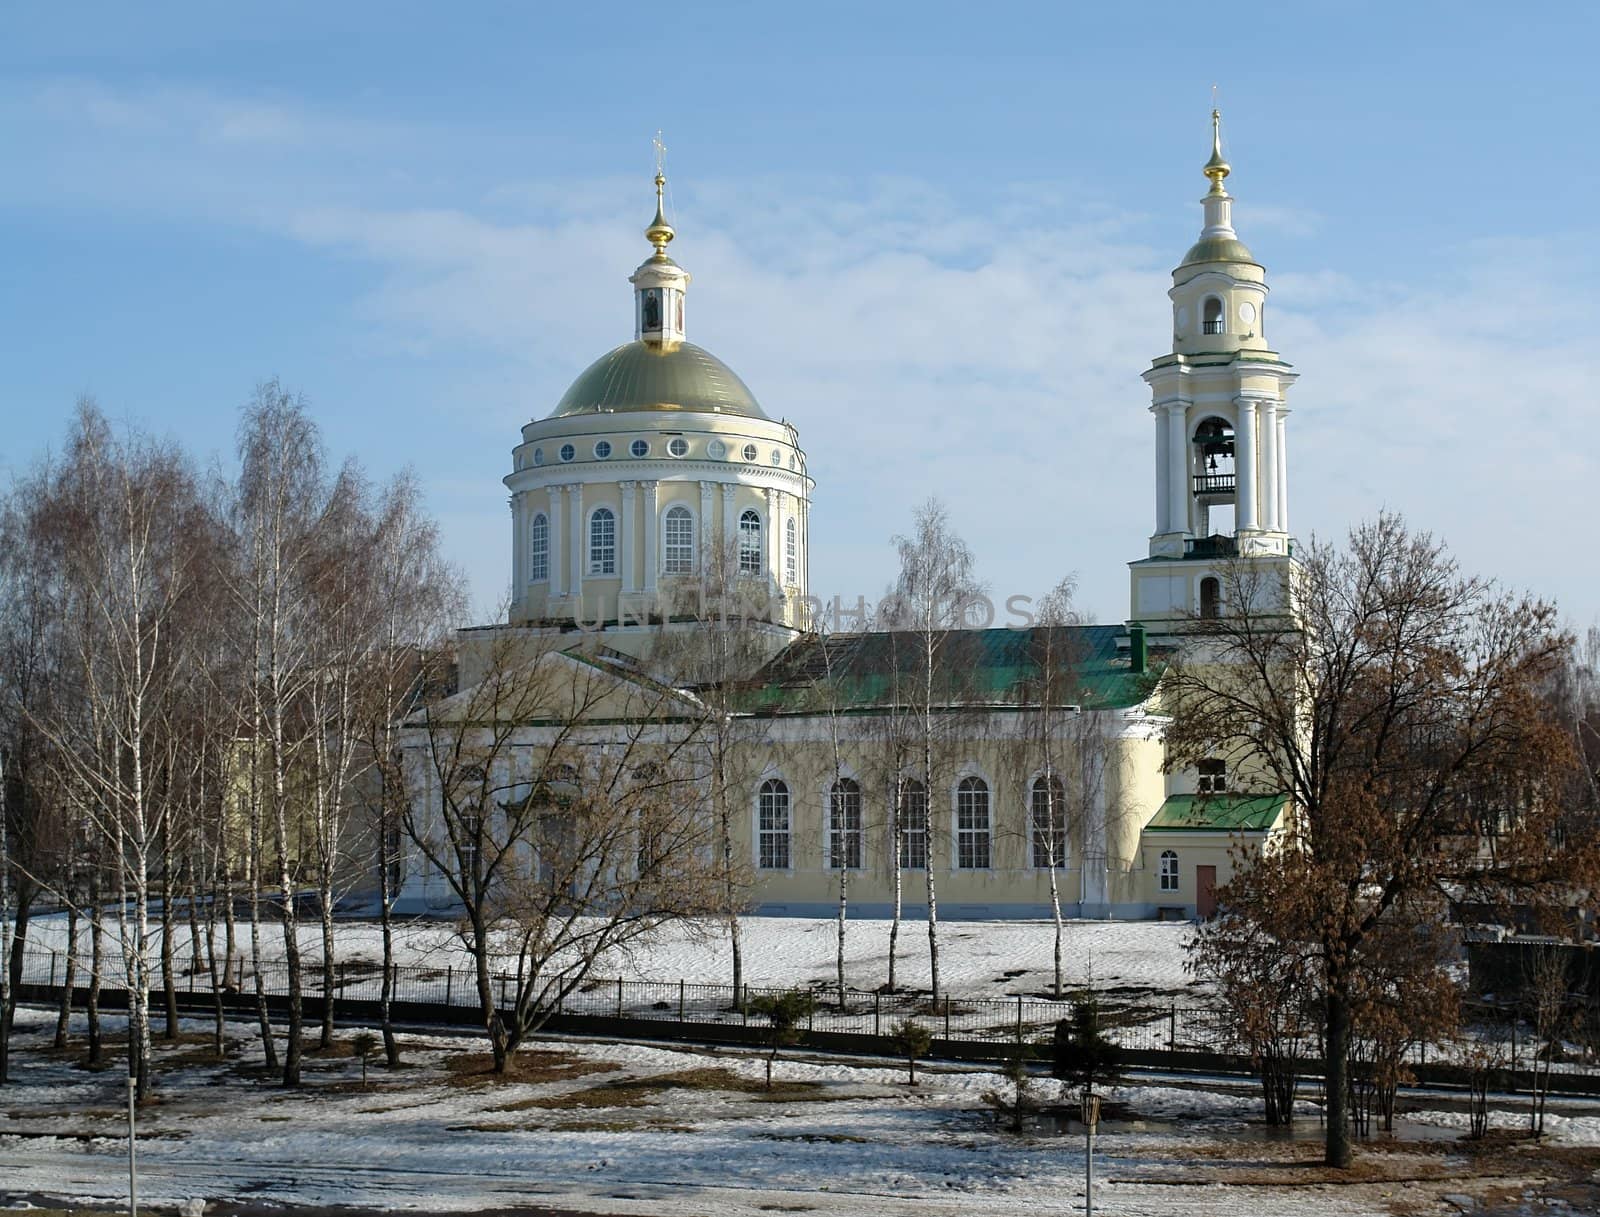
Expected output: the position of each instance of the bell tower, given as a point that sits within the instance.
(1218, 399)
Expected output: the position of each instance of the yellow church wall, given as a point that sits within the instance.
(1131, 791)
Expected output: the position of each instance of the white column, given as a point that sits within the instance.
(558, 546)
(1244, 464)
(579, 550)
(519, 559)
(625, 542)
(774, 554)
(1283, 470)
(1269, 466)
(652, 530)
(1177, 468)
(725, 536)
(1163, 475)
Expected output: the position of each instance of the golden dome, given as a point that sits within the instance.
(652, 376)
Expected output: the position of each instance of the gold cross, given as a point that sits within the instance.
(661, 155)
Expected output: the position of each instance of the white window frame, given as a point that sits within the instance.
(539, 548)
(1039, 827)
(791, 553)
(1211, 783)
(968, 840)
(666, 544)
(752, 556)
(1168, 873)
(845, 837)
(764, 834)
(595, 564)
(909, 827)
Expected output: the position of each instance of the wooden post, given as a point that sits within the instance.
(744, 1004)
(680, 1000)
(1172, 1027)
(947, 1018)
(877, 1013)
(619, 997)
(447, 974)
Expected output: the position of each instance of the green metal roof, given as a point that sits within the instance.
(1218, 813)
(1001, 667)
(650, 376)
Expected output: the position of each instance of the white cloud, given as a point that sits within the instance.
(990, 355)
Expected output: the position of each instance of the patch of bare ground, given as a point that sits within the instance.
(1500, 1174)
(528, 1066)
(639, 1091)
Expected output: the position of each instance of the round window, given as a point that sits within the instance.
(640, 447)
(568, 452)
(792, 463)
(602, 450)
(715, 449)
(750, 452)
(1247, 312)
(678, 446)
(538, 456)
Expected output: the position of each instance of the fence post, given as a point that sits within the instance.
(502, 990)
(680, 999)
(1172, 1027)
(947, 1018)
(877, 1013)
(744, 1004)
(1019, 1020)
(448, 972)
(619, 997)
(52, 969)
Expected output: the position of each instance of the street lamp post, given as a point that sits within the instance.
(1091, 1117)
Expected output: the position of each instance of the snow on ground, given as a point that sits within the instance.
(632, 1129)
(976, 958)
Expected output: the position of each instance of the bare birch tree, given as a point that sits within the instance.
(932, 594)
(560, 842)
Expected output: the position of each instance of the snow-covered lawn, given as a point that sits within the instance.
(976, 958)
(629, 1129)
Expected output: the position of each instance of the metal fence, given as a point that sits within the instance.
(988, 1023)
(952, 1018)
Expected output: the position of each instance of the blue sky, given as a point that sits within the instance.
(423, 218)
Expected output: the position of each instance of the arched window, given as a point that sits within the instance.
(539, 549)
(1048, 801)
(844, 826)
(603, 542)
(913, 825)
(1169, 871)
(772, 825)
(791, 553)
(678, 551)
(1212, 316)
(1210, 597)
(749, 542)
(972, 824)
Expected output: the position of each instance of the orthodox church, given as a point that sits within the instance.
(658, 492)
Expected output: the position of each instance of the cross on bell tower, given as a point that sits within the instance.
(1218, 399)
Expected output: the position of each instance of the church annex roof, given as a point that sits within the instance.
(653, 376)
(1218, 813)
(997, 668)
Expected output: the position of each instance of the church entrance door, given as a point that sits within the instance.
(1205, 892)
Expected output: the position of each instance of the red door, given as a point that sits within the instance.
(1205, 891)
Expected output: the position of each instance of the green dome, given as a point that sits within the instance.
(647, 376)
(1218, 249)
